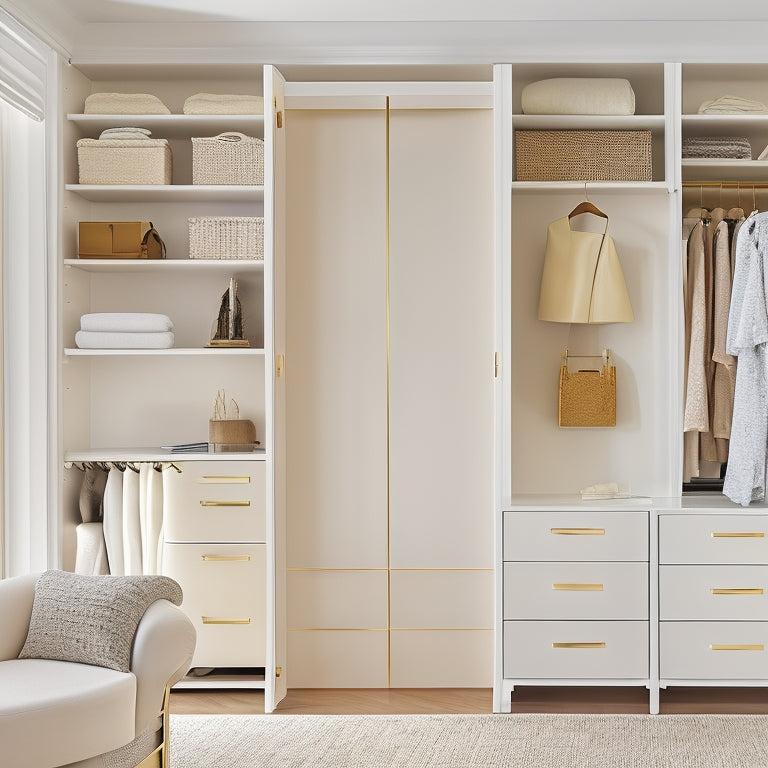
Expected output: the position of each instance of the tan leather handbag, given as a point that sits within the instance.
(582, 280)
(587, 396)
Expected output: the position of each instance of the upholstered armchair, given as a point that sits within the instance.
(86, 665)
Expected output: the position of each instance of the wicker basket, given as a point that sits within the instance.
(229, 158)
(114, 161)
(226, 237)
(583, 155)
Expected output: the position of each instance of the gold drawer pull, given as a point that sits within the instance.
(578, 645)
(212, 620)
(226, 558)
(578, 531)
(225, 503)
(578, 587)
(736, 647)
(738, 535)
(224, 479)
(758, 591)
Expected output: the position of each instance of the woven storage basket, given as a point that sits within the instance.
(229, 158)
(226, 237)
(114, 161)
(583, 155)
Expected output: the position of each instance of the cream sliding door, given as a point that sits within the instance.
(336, 417)
(389, 379)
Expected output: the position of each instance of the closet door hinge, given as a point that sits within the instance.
(496, 365)
(279, 366)
(278, 115)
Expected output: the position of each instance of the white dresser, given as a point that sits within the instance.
(575, 598)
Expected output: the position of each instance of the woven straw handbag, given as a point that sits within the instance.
(587, 396)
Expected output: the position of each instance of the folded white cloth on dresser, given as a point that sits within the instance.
(579, 96)
(125, 322)
(119, 340)
(124, 104)
(224, 104)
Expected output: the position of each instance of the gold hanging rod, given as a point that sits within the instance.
(728, 184)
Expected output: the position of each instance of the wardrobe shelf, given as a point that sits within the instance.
(589, 122)
(158, 454)
(168, 193)
(632, 187)
(725, 122)
(117, 266)
(725, 170)
(173, 126)
(173, 352)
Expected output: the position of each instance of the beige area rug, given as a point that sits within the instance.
(469, 741)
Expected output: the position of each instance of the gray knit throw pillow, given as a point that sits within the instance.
(91, 619)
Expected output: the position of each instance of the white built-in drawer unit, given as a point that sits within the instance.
(575, 595)
(216, 501)
(224, 589)
(713, 597)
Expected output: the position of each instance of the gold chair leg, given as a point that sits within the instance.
(158, 758)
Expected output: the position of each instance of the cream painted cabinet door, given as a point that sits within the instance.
(441, 396)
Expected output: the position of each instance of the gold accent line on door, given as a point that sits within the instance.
(217, 503)
(578, 645)
(578, 587)
(213, 620)
(578, 531)
(758, 591)
(738, 535)
(226, 558)
(736, 647)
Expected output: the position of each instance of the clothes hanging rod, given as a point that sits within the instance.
(728, 184)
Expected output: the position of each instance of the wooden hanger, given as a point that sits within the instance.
(587, 207)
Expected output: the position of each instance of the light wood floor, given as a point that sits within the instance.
(474, 700)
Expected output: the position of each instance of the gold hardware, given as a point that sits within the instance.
(578, 587)
(225, 479)
(224, 503)
(733, 535)
(226, 558)
(279, 365)
(578, 531)
(758, 591)
(736, 647)
(578, 645)
(280, 119)
(496, 365)
(278, 671)
(212, 620)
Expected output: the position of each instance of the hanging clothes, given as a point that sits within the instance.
(151, 517)
(113, 521)
(132, 548)
(747, 339)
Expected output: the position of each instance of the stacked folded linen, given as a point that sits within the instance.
(730, 147)
(125, 133)
(125, 330)
(223, 104)
(732, 105)
(124, 104)
(579, 96)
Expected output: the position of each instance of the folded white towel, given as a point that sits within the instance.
(732, 105)
(124, 104)
(224, 104)
(125, 322)
(125, 133)
(117, 340)
(579, 96)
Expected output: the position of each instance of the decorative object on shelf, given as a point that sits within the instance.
(124, 104)
(228, 329)
(223, 104)
(579, 96)
(732, 105)
(227, 432)
(587, 396)
(226, 237)
(604, 491)
(124, 161)
(125, 330)
(119, 240)
(583, 156)
(582, 281)
(729, 147)
(229, 158)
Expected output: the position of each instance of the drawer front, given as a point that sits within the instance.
(576, 591)
(713, 592)
(713, 539)
(225, 592)
(568, 536)
(215, 501)
(576, 649)
(705, 650)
